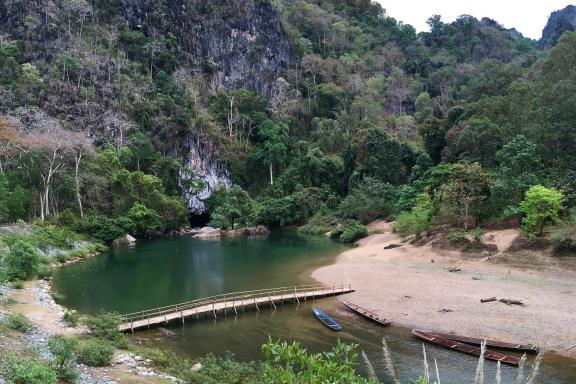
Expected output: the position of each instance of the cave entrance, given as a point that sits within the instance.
(199, 220)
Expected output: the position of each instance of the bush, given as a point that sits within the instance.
(19, 322)
(353, 231)
(370, 200)
(17, 284)
(418, 219)
(319, 224)
(20, 370)
(460, 236)
(104, 326)
(71, 318)
(47, 236)
(63, 350)
(22, 261)
(95, 352)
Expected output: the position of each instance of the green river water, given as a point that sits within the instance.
(169, 271)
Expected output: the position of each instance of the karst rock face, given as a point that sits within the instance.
(234, 43)
(222, 44)
(558, 23)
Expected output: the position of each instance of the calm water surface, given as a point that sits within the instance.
(165, 272)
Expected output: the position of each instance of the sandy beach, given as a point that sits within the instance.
(412, 286)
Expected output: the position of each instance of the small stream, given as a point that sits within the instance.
(168, 271)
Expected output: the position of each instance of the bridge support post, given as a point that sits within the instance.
(182, 316)
(256, 304)
(272, 301)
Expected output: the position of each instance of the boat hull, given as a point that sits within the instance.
(489, 343)
(326, 320)
(366, 314)
(466, 348)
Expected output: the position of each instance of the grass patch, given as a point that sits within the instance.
(95, 352)
(19, 322)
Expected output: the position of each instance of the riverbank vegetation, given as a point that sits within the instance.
(368, 119)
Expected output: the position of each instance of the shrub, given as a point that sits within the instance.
(63, 350)
(46, 236)
(290, 363)
(95, 352)
(353, 231)
(418, 219)
(22, 261)
(541, 205)
(20, 370)
(19, 322)
(459, 236)
(319, 224)
(71, 318)
(17, 284)
(104, 326)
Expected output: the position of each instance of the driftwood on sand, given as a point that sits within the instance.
(488, 300)
(511, 302)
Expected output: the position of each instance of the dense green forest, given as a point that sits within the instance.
(368, 120)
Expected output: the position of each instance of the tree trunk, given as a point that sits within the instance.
(77, 159)
(271, 175)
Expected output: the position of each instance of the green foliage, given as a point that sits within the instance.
(352, 231)
(63, 350)
(19, 322)
(418, 220)
(145, 220)
(234, 206)
(290, 363)
(104, 326)
(95, 352)
(541, 205)
(370, 200)
(21, 261)
(71, 318)
(17, 369)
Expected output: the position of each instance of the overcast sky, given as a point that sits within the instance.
(527, 16)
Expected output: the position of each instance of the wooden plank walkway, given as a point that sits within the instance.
(229, 301)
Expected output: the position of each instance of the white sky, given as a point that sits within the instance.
(527, 16)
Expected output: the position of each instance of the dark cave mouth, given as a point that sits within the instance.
(198, 220)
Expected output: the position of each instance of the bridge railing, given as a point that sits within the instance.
(235, 298)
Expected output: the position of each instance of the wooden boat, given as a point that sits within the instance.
(465, 348)
(366, 314)
(326, 320)
(489, 343)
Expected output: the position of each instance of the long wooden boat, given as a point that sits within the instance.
(466, 348)
(366, 314)
(489, 343)
(326, 320)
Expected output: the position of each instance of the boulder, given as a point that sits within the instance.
(125, 240)
(235, 232)
(257, 230)
(208, 233)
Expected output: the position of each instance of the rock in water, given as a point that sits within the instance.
(124, 241)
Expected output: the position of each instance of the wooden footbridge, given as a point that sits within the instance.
(210, 306)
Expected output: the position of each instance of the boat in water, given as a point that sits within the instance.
(465, 348)
(366, 314)
(326, 320)
(528, 348)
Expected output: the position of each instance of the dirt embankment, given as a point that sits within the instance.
(412, 286)
(35, 302)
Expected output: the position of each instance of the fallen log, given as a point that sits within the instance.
(488, 300)
(454, 269)
(511, 302)
(392, 246)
